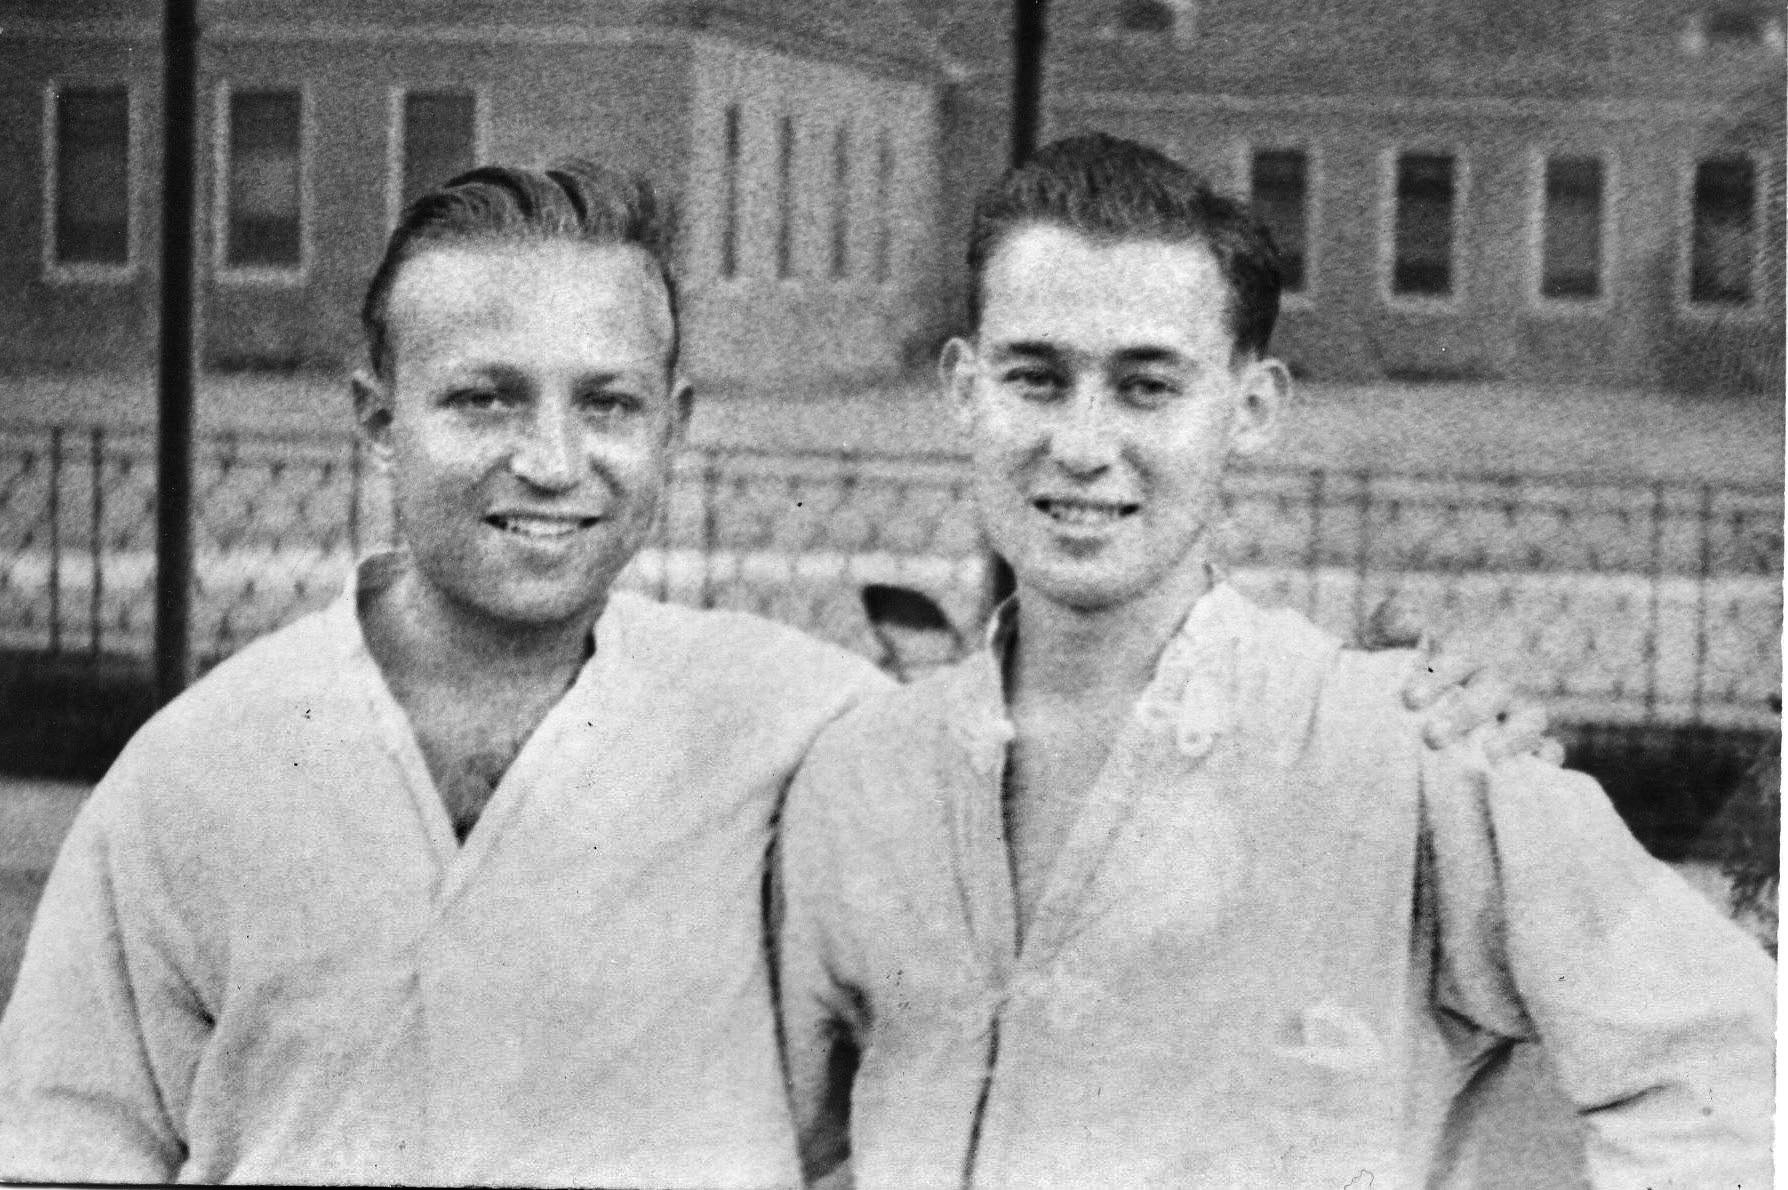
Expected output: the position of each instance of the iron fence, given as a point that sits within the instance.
(1616, 601)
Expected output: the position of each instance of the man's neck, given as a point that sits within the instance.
(419, 636)
(1067, 653)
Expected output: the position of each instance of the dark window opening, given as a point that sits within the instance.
(265, 202)
(1280, 195)
(1423, 261)
(91, 214)
(1723, 247)
(1571, 249)
(440, 137)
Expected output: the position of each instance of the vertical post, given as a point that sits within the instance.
(710, 524)
(1313, 554)
(354, 483)
(96, 527)
(1363, 549)
(1652, 643)
(1028, 36)
(1702, 599)
(55, 583)
(173, 507)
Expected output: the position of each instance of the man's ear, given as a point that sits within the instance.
(956, 367)
(1264, 392)
(373, 414)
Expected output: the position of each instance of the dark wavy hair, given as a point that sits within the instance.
(574, 200)
(1107, 188)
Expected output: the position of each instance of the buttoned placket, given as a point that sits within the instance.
(453, 866)
(1187, 706)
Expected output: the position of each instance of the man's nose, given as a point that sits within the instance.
(1084, 439)
(550, 454)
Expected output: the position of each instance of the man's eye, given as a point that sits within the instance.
(476, 399)
(1147, 390)
(610, 402)
(1032, 382)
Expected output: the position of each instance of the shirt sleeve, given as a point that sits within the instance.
(100, 1040)
(1657, 1012)
(820, 1010)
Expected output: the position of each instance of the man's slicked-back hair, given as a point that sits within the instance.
(574, 201)
(1111, 189)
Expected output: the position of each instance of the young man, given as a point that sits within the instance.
(459, 880)
(1162, 889)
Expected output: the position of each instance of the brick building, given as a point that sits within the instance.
(1586, 192)
(1558, 194)
(802, 153)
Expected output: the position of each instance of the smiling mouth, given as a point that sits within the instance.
(1069, 511)
(540, 527)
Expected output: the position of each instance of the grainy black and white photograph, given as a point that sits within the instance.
(983, 594)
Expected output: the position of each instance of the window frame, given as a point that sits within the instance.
(1756, 307)
(396, 144)
(1538, 163)
(1389, 158)
(278, 277)
(58, 272)
(1305, 298)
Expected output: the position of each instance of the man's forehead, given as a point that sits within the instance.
(507, 286)
(1047, 282)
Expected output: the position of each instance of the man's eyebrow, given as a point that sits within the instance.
(1027, 347)
(1150, 355)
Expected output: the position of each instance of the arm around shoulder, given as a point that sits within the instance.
(1656, 1011)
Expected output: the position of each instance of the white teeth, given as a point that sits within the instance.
(1075, 512)
(536, 526)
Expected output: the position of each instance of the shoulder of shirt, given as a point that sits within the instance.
(904, 721)
(1292, 673)
(229, 717)
(293, 664)
(739, 645)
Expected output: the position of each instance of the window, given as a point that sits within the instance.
(841, 201)
(89, 191)
(1723, 237)
(1571, 229)
(1149, 20)
(884, 195)
(1279, 191)
(1422, 260)
(1732, 30)
(729, 198)
(263, 225)
(439, 138)
(785, 197)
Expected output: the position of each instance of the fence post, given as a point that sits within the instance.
(710, 513)
(1313, 555)
(55, 501)
(1363, 549)
(354, 465)
(1658, 488)
(1705, 528)
(96, 587)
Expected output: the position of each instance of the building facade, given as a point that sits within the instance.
(1521, 190)
(1526, 190)
(802, 160)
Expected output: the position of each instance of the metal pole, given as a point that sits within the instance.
(1028, 36)
(173, 508)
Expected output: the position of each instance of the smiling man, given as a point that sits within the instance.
(1162, 889)
(458, 880)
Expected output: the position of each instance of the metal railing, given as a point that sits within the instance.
(1616, 601)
